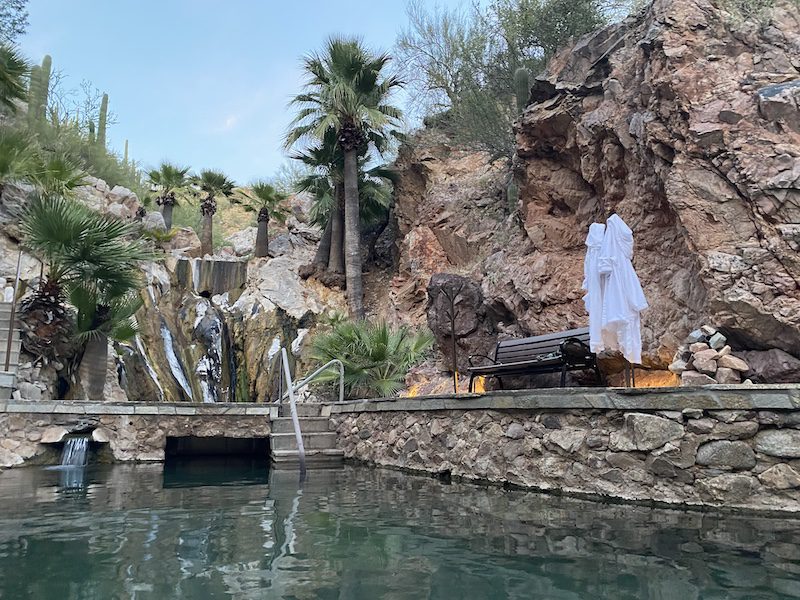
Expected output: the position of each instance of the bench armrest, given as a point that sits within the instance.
(471, 356)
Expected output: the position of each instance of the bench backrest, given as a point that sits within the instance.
(510, 351)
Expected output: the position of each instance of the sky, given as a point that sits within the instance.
(202, 83)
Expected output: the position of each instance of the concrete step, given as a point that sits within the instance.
(303, 410)
(307, 424)
(7, 382)
(315, 459)
(311, 441)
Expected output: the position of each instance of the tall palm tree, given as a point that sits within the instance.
(213, 184)
(347, 93)
(169, 179)
(94, 258)
(268, 201)
(13, 71)
(326, 183)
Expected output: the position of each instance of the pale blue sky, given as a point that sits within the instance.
(200, 82)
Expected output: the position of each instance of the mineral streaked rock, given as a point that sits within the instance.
(781, 477)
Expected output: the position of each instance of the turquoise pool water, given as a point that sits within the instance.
(234, 530)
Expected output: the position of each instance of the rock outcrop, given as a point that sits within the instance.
(683, 120)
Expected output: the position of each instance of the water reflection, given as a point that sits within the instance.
(143, 532)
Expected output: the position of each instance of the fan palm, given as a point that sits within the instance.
(13, 71)
(169, 179)
(264, 198)
(347, 93)
(213, 184)
(18, 159)
(376, 357)
(93, 258)
(58, 174)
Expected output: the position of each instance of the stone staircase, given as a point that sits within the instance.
(8, 378)
(319, 440)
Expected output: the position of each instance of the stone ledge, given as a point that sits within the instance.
(70, 407)
(718, 397)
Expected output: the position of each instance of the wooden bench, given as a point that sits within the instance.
(553, 353)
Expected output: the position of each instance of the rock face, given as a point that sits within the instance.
(682, 120)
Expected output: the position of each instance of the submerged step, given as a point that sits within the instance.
(307, 425)
(311, 441)
(314, 458)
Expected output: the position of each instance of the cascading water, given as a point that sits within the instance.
(174, 364)
(75, 452)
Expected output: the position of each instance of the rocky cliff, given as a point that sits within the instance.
(685, 121)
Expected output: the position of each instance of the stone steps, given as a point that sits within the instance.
(7, 383)
(319, 441)
(307, 425)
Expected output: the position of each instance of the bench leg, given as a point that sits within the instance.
(564, 376)
(598, 374)
(499, 382)
(471, 380)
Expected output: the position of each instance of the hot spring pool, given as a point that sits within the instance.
(230, 529)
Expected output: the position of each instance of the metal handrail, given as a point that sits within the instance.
(318, 372)
(301, 451)
(12, 315)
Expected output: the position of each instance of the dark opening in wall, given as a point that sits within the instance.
(217, 446)
(212, 461)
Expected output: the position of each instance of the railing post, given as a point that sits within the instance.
(301, 451)
(13, 314)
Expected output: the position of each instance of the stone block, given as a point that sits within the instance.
(780, 477)
(734, 363)
(726, 454)
(698, 347)
(783, 443)
(731, 487)
(693, 378)
(53, 435)
(649, 432)
(727, 376)
(717, 341)
(708, 330)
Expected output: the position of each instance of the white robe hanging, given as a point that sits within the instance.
(618, 294)
(593, 299)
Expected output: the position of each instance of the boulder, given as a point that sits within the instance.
(184, 243)
(244, 241)
(730, 487)
(727, 455)
(771, 366)
(783, 443)
(154, 221)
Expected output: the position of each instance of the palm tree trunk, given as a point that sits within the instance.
(93, 367)
(324, 248)
(207, 235)
(336, 259)
(166, 212)
(352, 237)
(262, 234)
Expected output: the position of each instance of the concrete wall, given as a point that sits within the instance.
(133, 432)
(728, 446)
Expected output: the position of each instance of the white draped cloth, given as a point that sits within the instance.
(614, 298)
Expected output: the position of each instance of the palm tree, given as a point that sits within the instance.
(13, 71)
(18, 158)
(94, 258)
(169, 179)
(268, 201)
(58, 174)
(347, 93)
(213, 183)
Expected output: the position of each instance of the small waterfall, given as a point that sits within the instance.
(149, 367)
(75, 453)
(175, 364)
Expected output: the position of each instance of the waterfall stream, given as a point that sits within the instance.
(175, 364)
(75, 452)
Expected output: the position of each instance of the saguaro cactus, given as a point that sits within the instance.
(101, 125)
(125, 156)
(522, 88)
(38, 89)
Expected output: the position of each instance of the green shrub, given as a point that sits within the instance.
(376, 357)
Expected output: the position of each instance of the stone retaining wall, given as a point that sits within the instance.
(737, 447)
(133, 432)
